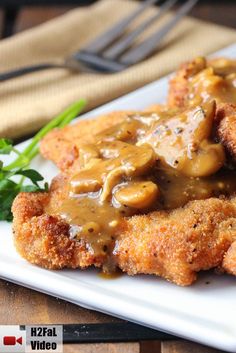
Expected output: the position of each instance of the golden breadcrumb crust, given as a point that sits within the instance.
(226, 129)
(44, 239)
(179, 243)
(174, 245)
(61, 146)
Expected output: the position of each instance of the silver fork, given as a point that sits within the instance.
(112, 52)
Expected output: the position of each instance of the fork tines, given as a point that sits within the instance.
(112, 51)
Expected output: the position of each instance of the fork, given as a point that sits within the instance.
(112, 51)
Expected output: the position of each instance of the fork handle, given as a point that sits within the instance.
(28, 69)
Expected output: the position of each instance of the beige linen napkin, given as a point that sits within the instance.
(28, 102)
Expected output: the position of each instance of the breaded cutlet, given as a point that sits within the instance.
(159, 243)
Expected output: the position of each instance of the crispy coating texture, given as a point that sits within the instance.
(229, 262)
(225, 111)
(178, 244)
(43, 239)
(62, 145)
(175, 244)
(159, 243)
(179, 84)
(226, 130)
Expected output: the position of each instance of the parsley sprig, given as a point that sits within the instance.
(14, 175)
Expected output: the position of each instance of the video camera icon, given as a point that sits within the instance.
(12, 340)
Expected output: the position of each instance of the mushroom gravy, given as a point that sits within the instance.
(148, 162)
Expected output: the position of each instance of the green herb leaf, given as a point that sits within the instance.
(7, 185)
(5, 146)
(30, 188)
(46, 186)
(60, 121)
(34, 188)
(31, 174)
(6, 199)
(20, 166)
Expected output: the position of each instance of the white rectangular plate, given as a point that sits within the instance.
(204, 312)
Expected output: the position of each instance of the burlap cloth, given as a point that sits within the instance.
(28, 102)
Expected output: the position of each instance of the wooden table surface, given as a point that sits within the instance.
(19, 305)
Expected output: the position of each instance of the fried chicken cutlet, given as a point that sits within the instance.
(193, 84)
(159, 243)
(61, 146)
(200, 79)
(44, 239)
(130, 179)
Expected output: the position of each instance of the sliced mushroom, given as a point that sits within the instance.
(140, 194)
(129, 161)
(135, 162)
(85, 185)
(184, 142)
(86, 153)
(124, 131)
(207, 160)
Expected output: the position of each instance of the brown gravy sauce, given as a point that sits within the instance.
(208, 83)
(148, 162)
(110, 275)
